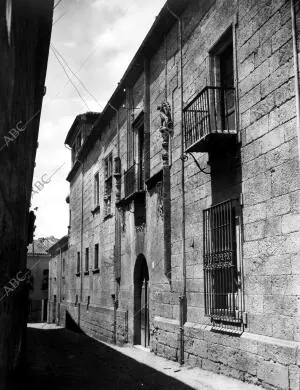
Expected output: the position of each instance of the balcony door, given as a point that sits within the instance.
(139, 155)
(222, 76)
(227, 84)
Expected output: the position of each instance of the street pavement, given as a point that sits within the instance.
(61, 359)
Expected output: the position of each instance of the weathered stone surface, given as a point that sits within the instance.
(273, 373)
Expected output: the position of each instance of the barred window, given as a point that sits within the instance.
(221, 266)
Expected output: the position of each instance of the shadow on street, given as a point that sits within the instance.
(62, 359)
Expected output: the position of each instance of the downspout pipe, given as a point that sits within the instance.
(182, 298)
(81, 246)
(296, 70)
(166, 137)
(117, 247)
(60, 283)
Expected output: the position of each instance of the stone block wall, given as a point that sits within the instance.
(270, 169)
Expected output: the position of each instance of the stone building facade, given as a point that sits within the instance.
(25, 29)
(57, 288)
(38, 263)
(184, 195)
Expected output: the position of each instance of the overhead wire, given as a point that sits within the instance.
(87, 58)
(75, 75)
(58, 19)
(57, 4)
(70, 80)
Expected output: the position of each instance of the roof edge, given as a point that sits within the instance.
(177, 7)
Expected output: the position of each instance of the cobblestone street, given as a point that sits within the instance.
(60, 359)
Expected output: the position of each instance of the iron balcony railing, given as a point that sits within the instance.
(211, 112)
(221, 275)
(133, 180)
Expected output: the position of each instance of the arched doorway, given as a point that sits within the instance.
(141, 302)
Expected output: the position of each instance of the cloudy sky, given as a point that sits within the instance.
(97, 40)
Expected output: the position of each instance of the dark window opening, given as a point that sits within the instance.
(140, 213)
(86, 259)
(78, 263)
(96, 259)
(134, 177)
(96, 190)
(108, 171)
(45, 280)
(222, 75)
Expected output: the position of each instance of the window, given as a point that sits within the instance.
(78, 142)
(70, 217)
(78, 262)
(76, 146)
(76, 300)
(96, 258)
(108, 170)
(222, 74)
(63, 289)
(96, 190)
(209, 119)
(108, 167)
(45, 279)
(223, 298)
(87, 260)
(134, 176)
(63, 266)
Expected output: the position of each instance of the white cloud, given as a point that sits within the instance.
(108, 33)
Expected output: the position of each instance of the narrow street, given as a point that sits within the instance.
(60, 359)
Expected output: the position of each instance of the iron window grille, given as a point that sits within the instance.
(212, 111)
(222, 287)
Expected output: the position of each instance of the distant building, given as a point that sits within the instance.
(38, 263)
(57, 287)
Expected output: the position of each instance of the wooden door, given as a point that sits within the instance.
(145, 334)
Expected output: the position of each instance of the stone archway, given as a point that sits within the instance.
(141, 302)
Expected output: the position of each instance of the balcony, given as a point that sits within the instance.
(221, 266)
(133, 180)
(209, 119)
